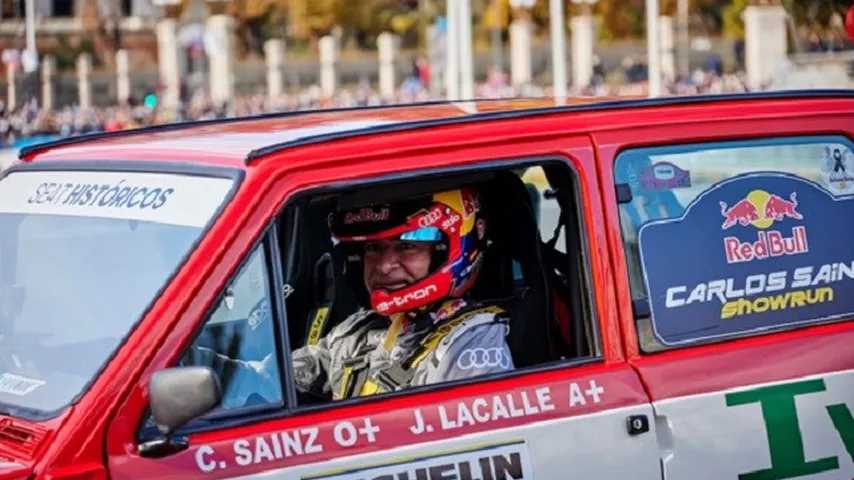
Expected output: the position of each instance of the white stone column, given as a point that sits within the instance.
(48, 67)
(11, 88)
(667, 45)
(683, 48)
(84, 81)
(466, 50)
(764, 43)
(387, 52)
(436, 53)
(520, 52)
(169, 63)
(220, 31)
(452, 64)
(582, 50)
(653, 51)
(558, 35)
(274, 53)
(328, 59)
(122, 77)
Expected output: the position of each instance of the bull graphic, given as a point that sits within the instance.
(742, 212)
(778, 208)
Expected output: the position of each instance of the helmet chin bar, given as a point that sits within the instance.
(423, 292)
(432, 288)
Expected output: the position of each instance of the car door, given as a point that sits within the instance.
(746, 348)
(582, 417)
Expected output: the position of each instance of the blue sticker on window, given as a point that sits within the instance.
(664, 176)
(755, 252)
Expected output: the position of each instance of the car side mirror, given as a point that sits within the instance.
(178, 395)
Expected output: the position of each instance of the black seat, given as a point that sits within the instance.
(513, 268)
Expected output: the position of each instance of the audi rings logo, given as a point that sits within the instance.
(483, 358)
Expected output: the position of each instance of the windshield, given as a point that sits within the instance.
(82, 255)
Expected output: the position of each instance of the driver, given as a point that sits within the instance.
(417, 260)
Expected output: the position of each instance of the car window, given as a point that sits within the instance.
(528, 305)
(82, 256)
(546, 206)
(735, 238)
(238, 340)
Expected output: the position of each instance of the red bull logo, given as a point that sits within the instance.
(778, 209)
(761, 209)
(743, 212)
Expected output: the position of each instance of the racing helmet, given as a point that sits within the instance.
(447, 219)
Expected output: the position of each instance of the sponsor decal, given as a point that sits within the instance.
(838, 169)
(389, 430)
(483, 358)
(451, 221)
(494, 408)
(764, 266)
(447, 309)
(664, 176)
(367, 215)
(496, 462)
(786, 445)
(18, 385)
(268, 447)
(258, 314)
(470, 204)
(163, 198)
(401, 301)
(761, 209)
(430, 217)
(767, 244)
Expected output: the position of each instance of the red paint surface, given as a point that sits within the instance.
(394, 417)
(761, 359)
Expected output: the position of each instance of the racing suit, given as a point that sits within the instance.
(369, 353)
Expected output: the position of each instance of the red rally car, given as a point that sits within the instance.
(672, 317)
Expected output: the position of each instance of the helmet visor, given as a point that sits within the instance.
(424, 234)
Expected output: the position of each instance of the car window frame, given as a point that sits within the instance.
(235, 418)
(476, 167)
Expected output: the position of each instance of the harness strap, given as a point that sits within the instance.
(356, 380)
(432, 341)
(316, 328)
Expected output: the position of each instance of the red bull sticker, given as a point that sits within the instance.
(755, 252)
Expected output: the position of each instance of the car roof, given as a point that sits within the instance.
(236, 141)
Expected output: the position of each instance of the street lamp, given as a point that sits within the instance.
(583, 40)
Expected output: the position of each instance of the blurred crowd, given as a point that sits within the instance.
(30, 121)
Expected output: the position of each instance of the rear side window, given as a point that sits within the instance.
(736, 238)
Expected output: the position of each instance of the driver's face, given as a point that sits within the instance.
(394, 264)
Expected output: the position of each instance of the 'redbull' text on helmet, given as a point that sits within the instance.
(447, 219)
